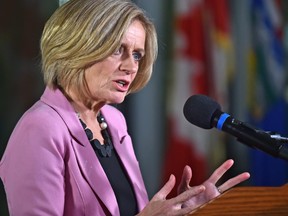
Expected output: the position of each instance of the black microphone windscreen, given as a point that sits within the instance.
(199, 110)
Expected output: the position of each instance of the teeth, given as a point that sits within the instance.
(122, 83)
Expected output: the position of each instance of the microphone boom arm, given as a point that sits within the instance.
(272, 144)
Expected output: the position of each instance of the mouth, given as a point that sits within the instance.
(123, 85)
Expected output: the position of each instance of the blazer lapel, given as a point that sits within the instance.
(87, 160)
(123, 145)
(96, 177)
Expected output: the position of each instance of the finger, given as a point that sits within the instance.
(185, 180)
(166, 189)
(233, 181)
(187, 210)
(220, 171)
(188, 194)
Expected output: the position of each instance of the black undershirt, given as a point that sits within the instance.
(119, 181)
(115, 172)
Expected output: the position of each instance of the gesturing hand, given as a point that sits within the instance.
(189, 198)
(159, 205)
(211, 190)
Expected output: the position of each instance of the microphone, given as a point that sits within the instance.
(206, 113)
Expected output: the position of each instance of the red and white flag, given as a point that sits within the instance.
(199, 68)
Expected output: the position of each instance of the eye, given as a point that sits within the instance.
(119, 50)
(137, 56)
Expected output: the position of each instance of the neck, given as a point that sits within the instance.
(84, 108)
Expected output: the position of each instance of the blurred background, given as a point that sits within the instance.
(233, 51)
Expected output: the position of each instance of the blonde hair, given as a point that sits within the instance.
(82, 32)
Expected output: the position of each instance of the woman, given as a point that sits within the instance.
(70, 153)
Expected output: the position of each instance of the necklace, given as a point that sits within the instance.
(105, 149)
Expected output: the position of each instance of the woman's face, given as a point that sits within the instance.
(109, 80)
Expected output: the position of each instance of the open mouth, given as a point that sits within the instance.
(122, 83)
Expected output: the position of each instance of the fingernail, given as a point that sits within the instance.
(171, 177)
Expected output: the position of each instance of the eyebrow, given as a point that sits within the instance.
(126, 46)
(141, 51)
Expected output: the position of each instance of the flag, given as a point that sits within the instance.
(267, 77)
(200, 41)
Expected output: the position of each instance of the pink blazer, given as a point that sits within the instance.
(50, 168)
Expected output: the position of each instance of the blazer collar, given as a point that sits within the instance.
(123, 144)
(88, 162)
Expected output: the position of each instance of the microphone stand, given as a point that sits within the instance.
(267, 141)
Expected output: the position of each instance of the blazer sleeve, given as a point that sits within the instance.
(32, 167)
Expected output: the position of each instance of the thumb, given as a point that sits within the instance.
(166, 189)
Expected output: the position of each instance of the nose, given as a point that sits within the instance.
(129, 65)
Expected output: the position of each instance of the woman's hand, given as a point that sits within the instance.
(159, 205)
(189, 198)
(211, 190)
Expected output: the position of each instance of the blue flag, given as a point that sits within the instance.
(267, 105)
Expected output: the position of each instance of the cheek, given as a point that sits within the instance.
(95, 78)
(134, 76)
(93, 84)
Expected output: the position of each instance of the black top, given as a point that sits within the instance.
(116, 174)
(120, 183)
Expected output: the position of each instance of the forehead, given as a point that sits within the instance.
(135, 34)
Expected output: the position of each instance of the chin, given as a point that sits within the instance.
(117, 100)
